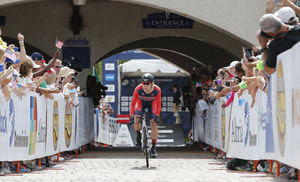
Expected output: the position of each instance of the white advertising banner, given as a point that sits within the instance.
(216, 119)
(107, 129)
(5, 120)
(84, 115)
(33, 127)
(265, 125)
(54, 119)
(286, 98)
(41, 125)
(67, 128)
(21, 134)
(243, 141)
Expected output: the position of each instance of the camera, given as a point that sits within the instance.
(277, 2)
(72, 63)
(248, 53)
(222, 73)
(101, 90)
(227, 84)
(216, 82)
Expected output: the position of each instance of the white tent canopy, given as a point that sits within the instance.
(157, 67)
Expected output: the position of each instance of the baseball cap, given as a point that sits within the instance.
(36, 56)
(66, 71)
(286, 14)
(32, 62)
(233, 63)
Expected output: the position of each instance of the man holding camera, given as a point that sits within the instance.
(284, 37)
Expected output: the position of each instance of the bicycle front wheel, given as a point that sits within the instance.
(145, 143)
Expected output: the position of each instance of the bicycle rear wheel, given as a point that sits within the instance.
(145, 144)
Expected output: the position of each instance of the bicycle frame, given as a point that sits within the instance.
(145, 139)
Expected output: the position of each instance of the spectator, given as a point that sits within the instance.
(285, 37)
(105, 108)
(38, 58)
(69, 85)
(57, 66)
(176, 103)
(287, 15)
(294, 4)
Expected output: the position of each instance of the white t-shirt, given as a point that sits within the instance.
(202, 105)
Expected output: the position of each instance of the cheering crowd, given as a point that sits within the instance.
(21, 74)
(278, 32)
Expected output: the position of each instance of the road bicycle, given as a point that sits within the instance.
(145, 137)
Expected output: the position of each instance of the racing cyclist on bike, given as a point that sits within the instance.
(146, 95)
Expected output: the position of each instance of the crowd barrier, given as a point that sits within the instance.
(270, 130)
(32, 127)
(109, 132)
(105, 128)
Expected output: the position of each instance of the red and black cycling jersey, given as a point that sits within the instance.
(142, 100)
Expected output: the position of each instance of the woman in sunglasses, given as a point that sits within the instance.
(146, 95)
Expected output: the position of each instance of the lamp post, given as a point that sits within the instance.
(79, 2)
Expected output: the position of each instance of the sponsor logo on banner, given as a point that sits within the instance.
(110, 88)
(223, 125)
(33, 124)
(110, 98)
(20, 140)
(68, 124)
(112, 127)
(42, 131)
(110, 66)
(296, 106)
(237, 132)
(123, 138)
(109, 77)
(280, 110)
(247, 122)
(12, 120)
(269, 122)
(55, 124)
(3, 122)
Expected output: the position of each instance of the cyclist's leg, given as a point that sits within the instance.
(153, 121)
(137, 124)
(137, 114)
(154, 130)
(137, 128)
(154, 135)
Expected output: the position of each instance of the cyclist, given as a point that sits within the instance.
(146, 95)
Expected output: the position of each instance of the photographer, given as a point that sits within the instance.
(95, 90)
(176, 103)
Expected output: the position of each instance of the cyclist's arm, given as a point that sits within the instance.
(133, 101)
(158, 101)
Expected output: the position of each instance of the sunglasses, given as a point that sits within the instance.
(146, 83)
(57, 66)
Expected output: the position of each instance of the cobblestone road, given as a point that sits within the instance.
(129, 165)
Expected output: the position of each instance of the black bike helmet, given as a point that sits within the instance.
(147, 77)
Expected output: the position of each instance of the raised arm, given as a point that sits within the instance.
(22, 48)
(291, 4)
(50, 65)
